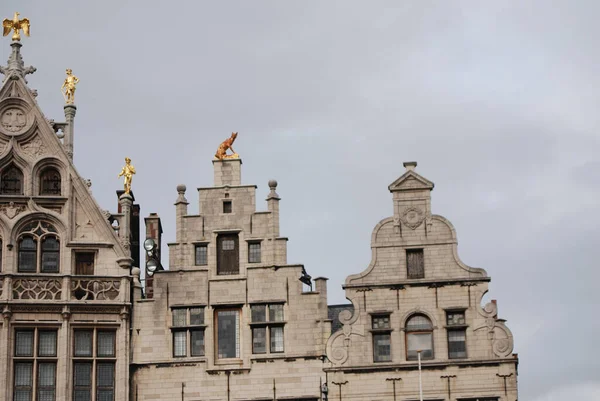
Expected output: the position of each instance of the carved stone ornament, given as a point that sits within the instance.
(34, 148)
(413, 217)
(11, 210)
(13, 119)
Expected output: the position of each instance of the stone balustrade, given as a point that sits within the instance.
(41, 288)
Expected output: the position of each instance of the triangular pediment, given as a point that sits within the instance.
(29, 140)
(410, 181)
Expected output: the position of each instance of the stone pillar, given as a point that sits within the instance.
(181, 209)
(125, 204)
(273, 207)
(228, 172)
(70, 110)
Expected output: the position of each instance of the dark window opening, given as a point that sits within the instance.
(415, 264)
(227, 206)
(50, 182)
(11, 181)
(254, 252)
(27, 255)
(50, 255)
(188, 331)
(267, 328)
(228, 261)
(84, 263)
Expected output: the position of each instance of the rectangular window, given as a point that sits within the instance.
(415, 264)
(419, 341)
(201, 254)
(228, 333)
(227, 206)
(188, 331)
(457, 334)
(254, 252)
(94, 364)
(267, 328)
(228, 255)
(35, 365)
(84, 263)
(382, 338)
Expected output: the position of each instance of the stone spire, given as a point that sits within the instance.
(16, 68)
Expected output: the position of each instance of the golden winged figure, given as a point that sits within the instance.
(16, 25)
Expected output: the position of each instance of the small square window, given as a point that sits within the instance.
(201, 255)
(47, 343)
(455, 318)
(83, 342)
(196, 316)
(24, 343)
(84, 263)
(276, 313)
(259, 313)
(227, 206)
(254, 252)
(179, 317)
(106, 343)
(381, 322)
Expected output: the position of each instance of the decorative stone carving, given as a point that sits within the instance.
(500, 335)
(35, 147)
(339, 343)
(13, 119)
(11, 210)
(90, 290)
(38, 289)
(412, 217)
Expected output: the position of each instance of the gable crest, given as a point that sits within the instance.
(410, 181)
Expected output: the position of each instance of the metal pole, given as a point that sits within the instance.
(420, 378)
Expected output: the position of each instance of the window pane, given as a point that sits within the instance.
(11, 181)
(423, 342)
(50, 182)
(276, 339)
(276, 313)
(179, 317)
(201, 255)
(47, 343)
(455, 318)
(254, 252)
(381, 322)
(259, 340)
(259, 313)
(106, 343)
(83, 343)
(457, 346)
(23, 374)
(227, 206)
(83, 374)
(83, 394)
(228, 245)
(196, 316)
(105, 395)
(106, 374)
(84, 263)
(22, 395)
(418, 323)
(50, 255)
(382, 350)
(45, 394)
(27, 255)
(228, 334)
(180, 343)
(24, 343)
(197, 342)
(46, 374)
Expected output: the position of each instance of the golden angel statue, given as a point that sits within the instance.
(128, 171)
(227, 144)
(68, 87)
(16, 25)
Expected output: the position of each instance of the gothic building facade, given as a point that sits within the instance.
(227, 318)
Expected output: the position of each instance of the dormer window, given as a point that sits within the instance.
(50, 182)
(11, 181)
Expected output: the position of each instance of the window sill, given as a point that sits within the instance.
(229, 361)
(259, 324)
(456, 327)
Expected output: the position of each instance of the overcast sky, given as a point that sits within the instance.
(497, 101)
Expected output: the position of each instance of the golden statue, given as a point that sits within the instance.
(16, 25)
(222, 150)
(128, 171)
(68, 87)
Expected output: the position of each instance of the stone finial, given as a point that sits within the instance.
(181, 188)
(273, 187)
(16, 68)
(410, 166)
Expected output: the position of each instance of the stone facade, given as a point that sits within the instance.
(229, 319)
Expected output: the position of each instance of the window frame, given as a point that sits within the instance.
(198, 246)
(377, 332)
(35, 360)
(188, 328)
(238, 344)
(415, 251)
(42, 191)
(228, 264)
(458, 327)
(251, 254)
(268, 325)
(94, 360)
(19, 179)
(39, 231)
(227, 206)
(419, 332)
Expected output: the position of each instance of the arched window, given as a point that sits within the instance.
(419, 337)
(39, 248)
(11, 181)
(50, 182)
